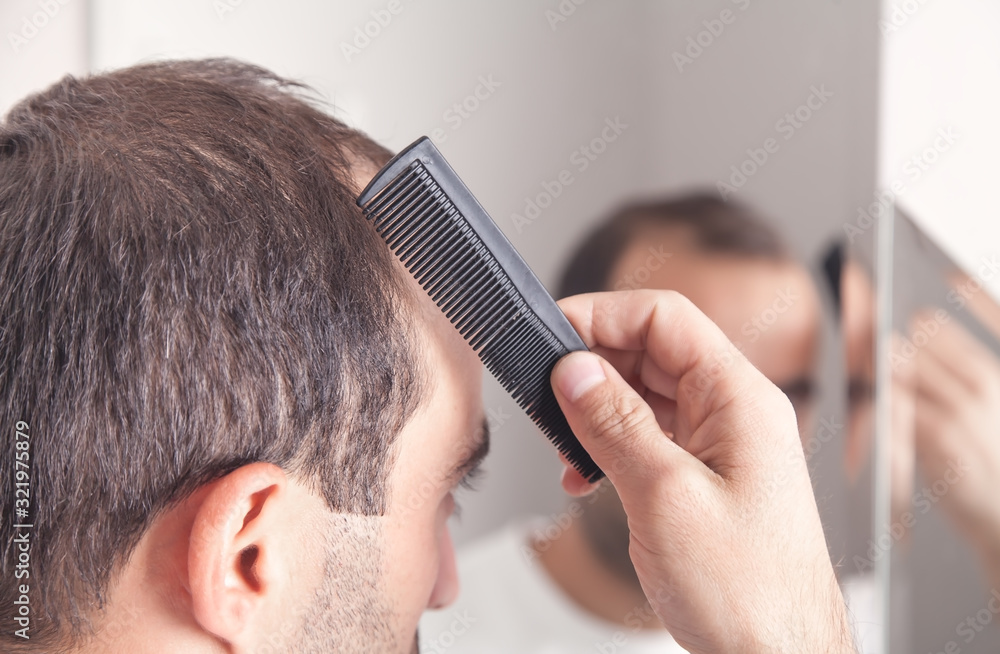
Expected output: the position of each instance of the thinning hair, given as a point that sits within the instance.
(716, 227)
(186, 287)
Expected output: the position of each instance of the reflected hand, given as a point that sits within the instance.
(957, 432)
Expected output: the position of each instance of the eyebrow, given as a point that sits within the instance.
(471, 463)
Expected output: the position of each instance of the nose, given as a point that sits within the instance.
(446, 586)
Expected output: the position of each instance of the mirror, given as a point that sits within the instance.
(928, 339)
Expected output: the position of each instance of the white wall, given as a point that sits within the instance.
(42, 41)
(942, 73)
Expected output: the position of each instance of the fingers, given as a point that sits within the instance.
(981, 305)
(933, 436)
(937, 381)
(614, 424)
(859, 440)
(903, 454)
(575, 484)
(684, 352)
(956, 350)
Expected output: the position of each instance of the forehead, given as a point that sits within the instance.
(768, 308)
(450, 423)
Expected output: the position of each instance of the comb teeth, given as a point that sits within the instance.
(448, 257)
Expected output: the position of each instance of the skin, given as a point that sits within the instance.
(191, 587)
(858, 324)
(590, 560)
(704, 452)
(255, 560)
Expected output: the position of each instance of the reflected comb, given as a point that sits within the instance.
(452, 247)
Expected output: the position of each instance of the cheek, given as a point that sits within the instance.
(422, 560)
(446, 585)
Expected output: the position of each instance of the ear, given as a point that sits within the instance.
(234, 555)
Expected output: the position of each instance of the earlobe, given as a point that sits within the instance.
(231, 565)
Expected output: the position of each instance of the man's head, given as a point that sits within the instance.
(736, 269)
(244, 418)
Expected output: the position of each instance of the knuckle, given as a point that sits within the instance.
(984, 384)
(669, 298)
(619, 415)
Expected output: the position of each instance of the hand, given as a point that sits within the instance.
(957, 433)
(705, 454)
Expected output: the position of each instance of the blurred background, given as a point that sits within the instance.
(857, 99)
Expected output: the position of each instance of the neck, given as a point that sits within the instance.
(591, 584)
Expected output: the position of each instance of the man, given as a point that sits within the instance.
(568, 584)
(237, 422)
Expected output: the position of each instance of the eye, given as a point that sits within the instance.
(456, 510)
(469, 483)
(859, 391)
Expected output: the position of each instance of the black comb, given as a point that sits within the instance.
(452, 247)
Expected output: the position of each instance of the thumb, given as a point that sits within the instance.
(613, 423)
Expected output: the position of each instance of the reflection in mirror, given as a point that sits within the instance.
(849, 269)
(942, 439)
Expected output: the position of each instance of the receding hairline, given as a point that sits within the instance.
(700, 221)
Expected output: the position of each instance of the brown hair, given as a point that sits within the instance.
(717, 227)
(187, 287)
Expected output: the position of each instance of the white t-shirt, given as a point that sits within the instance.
(509, 605)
